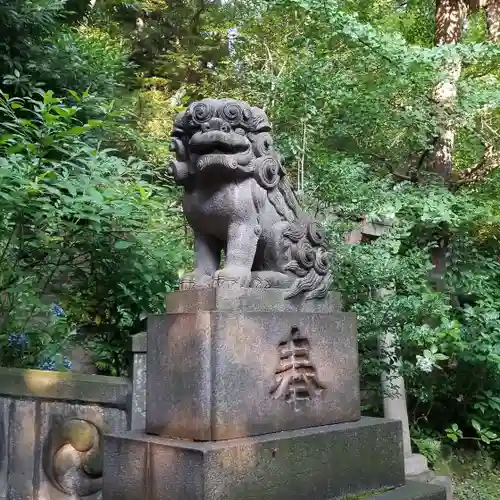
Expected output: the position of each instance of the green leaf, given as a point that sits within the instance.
(123, 244)
(48, 98)
(95, 195)
(70, 188)
(78, 130)
(95, 123)
(16, 148)
(5, 138)
(74, 95)
(476, 425)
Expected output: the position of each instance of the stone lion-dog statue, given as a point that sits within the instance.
(240, 204)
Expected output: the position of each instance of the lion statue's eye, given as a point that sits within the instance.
(239, 131)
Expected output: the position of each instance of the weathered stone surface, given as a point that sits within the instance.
(247, 300)
(446, 483)
(139, 375)
(111, 391)
(138, 403)
(415, 465)
(412, 491)
(140, 342)
(320, 463)
(45, 456)
(71, 460)
(218, 375)
(4, 456)
(23, 449)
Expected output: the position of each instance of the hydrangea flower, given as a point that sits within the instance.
(425, 364)
(17, 340)
(47, 364)
(50, 364)
(58, 310)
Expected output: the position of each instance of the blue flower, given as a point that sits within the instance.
(18, 340)
(47, 364)
(58, 310)
(67, 363)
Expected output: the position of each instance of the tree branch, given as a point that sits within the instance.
(490, 161)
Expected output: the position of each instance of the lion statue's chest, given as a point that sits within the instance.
(210, 209)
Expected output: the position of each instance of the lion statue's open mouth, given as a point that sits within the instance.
(250, 212)
(215, 147)
(216, 142)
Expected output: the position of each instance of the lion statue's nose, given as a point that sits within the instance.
(216, 124)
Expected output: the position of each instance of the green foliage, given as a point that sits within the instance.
(475, 476)
(40, 50)
(82, 58)
(81, 225)
(430, 448)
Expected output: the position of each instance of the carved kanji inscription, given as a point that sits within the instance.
(296, 378)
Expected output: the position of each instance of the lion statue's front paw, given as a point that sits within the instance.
(187, 282)
(194, 280)
(232, 277)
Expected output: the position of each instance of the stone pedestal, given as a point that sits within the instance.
(222, 374)
(251, 396)
(317, 463)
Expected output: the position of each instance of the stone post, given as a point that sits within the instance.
(393, 385)
(394, 391)
(138, 400)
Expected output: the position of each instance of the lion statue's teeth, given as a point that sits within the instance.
(238, 201)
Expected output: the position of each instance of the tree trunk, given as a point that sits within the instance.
(492, 9)
(450, 16)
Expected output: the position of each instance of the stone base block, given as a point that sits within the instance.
(233, 373)
(308, 464)
(412, 491)
(415, 465)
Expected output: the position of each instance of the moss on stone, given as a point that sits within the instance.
(366, 494)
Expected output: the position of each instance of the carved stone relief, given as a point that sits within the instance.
(296, 379)
(73, 457)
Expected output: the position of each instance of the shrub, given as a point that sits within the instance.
(81, 228)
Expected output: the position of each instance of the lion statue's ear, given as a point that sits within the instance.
(259, 121)
(179, 168)
(179, 126)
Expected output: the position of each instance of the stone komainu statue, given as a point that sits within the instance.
(238, 201)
